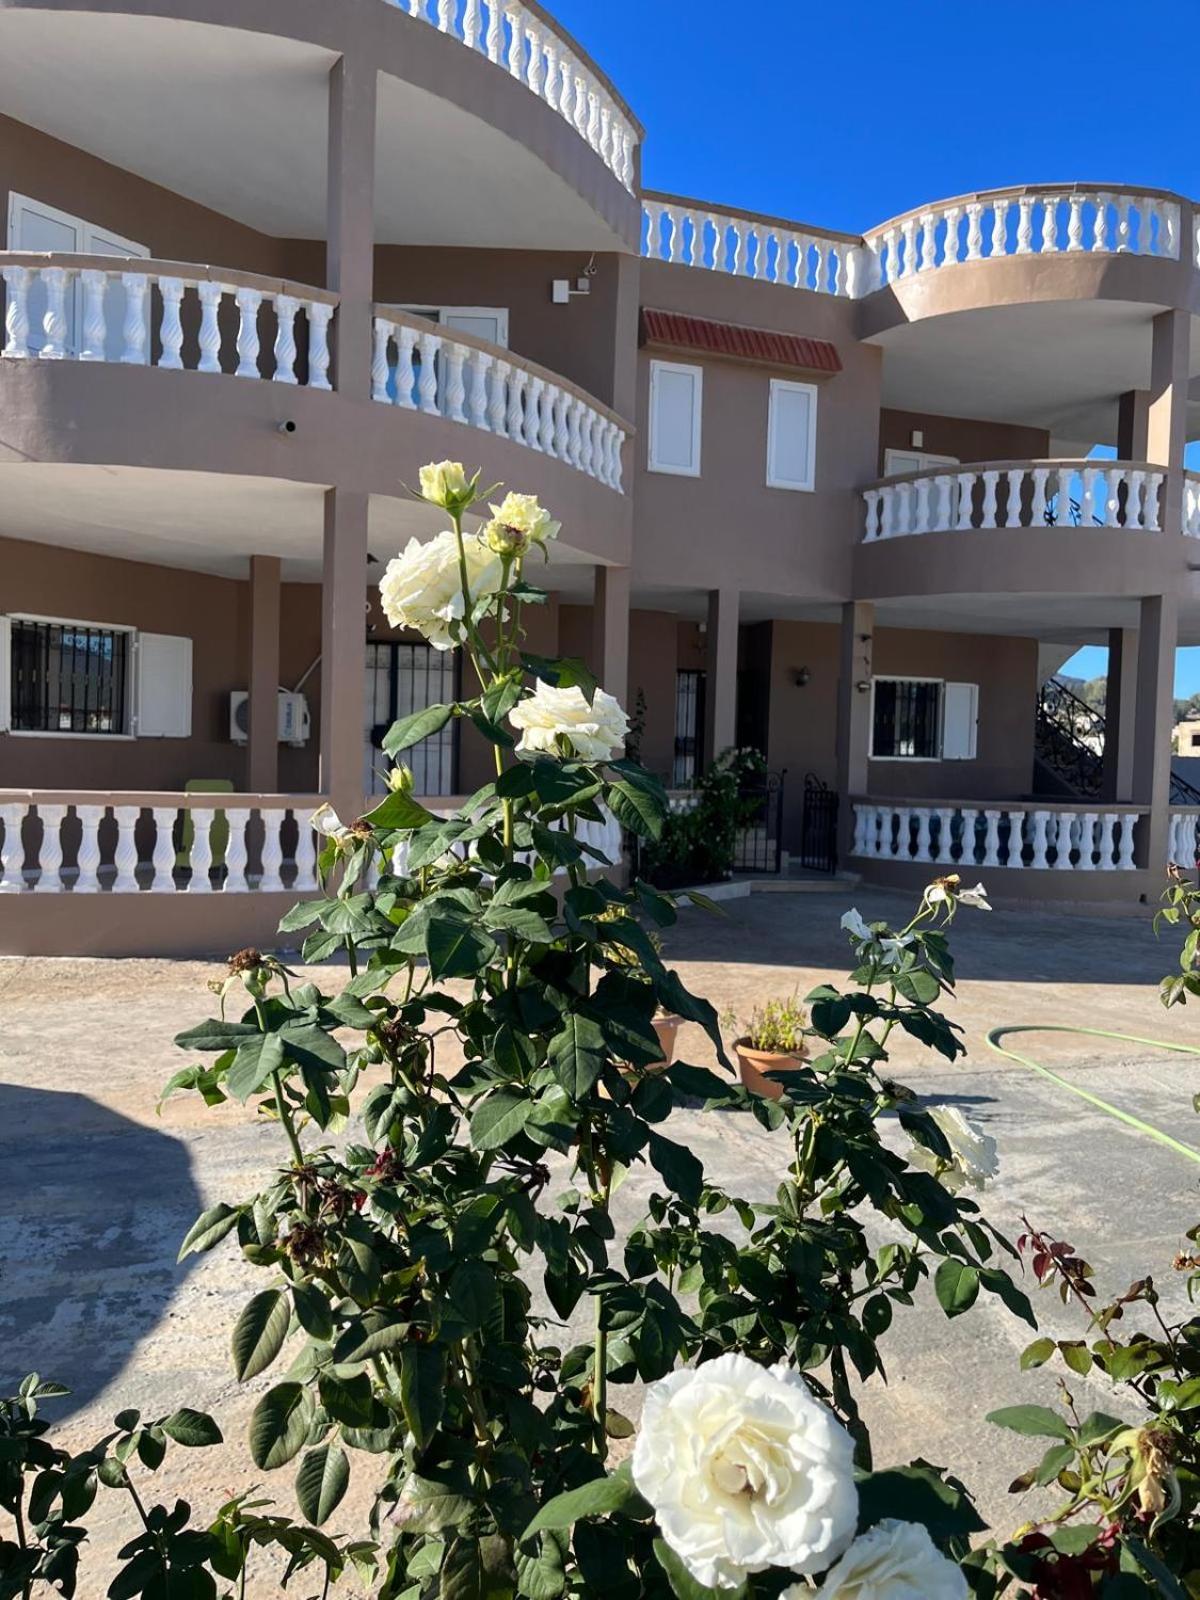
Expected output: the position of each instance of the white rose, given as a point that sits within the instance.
(856, 927)
(522, 512)
(444, 483)
(422, 587)
(593, 731)
(973, 1153)
(891, 1561)
(745, 1471)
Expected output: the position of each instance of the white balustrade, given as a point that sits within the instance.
(1182, 848)
(1191, 505)
(79, 308)
(1037, 838)
(753, 247)
(484, 387)
(85, 847)
(526, 45)
(1084, 493)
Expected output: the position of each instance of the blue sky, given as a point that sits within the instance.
(849, 114)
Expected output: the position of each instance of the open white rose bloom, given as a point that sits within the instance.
(891, 1561)
(422, 587)
(593, 730)
(973, 1153)
(745, 1471)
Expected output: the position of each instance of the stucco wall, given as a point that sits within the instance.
(964, 438)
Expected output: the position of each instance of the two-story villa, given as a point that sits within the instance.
(836, 497)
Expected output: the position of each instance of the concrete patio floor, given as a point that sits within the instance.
(96, 1190)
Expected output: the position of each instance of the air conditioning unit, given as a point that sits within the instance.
(295, 726)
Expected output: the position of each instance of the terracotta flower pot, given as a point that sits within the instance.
(666, 1027)
(755, 1064)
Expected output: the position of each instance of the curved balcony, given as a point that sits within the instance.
(1019, 494)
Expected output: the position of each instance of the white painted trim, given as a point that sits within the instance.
(697, 376)
(86, 229)
(780, 386)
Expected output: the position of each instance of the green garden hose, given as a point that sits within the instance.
(996, 1034)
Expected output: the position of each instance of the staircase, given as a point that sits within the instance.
(1069, 749)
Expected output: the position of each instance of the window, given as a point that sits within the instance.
(897, 461)
(676, 404)
(923, 719)
(791, 435)
(69, 678)
(689, 726)
(401, 679)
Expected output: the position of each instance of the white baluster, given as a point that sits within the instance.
(51, 854)
(427, 382)
(574, 433)
(456, 390)
(479, 366)
(210, 328)
(1100, 225)
(974, 231)
(672, 239)
(904, 508)
(1013, 479)
(561, 434)
(472, 28)
(923, 850)
(581, 102)
(125, 857)
(966, 499)
(16, 313)
(1041, 822)
(1037, 507)
(495, 32)
(1125, 858)
(171, 332)
(12, 850)
(380, 370)
(871, 532)
(1024, 225)
(1075, 223)
(990, 481)
(928, 255)
(1147, 211)
(968, 847)
(1153, 518)
(991, 841)
(406, 375)
(236, 851)
(87, 860)
(54, 318)
(135, 330)
(1124, 211)
(498, 399)
(1049, 224)
(516, 41)
(887, 511)
(516, 407)
(900, 821)
(1087, 501)
(908, 231)
(859, 847)
(945, 820)
(287, 307)
(1087, 841)
(890, 263)
(1169, 220)
(587, 460)
(272, 851)
(1106, 840)
(951, 245)
(1000, 227)
(921, 522)
(534, 420)
(306, 855)
(319, 314)
(200, 856)
(419, 8)
(737, 261)
(593, 120)
(1065, 840)
(163, 859)
(446, 15)
(248, 302)
(95, 321)
(1133, 501)
(944, 484)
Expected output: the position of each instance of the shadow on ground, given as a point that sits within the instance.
(92, 1209)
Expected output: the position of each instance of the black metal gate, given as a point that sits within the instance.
(759, 846)
(818, 827)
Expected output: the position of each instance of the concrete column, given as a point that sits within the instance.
(1154, 713)
(855, 667)
(1166, 419)
(350, 219)
(721, 685)
(262, 755)
(344, 650)
(610, 631)
(1133, 415)
(1120, 712)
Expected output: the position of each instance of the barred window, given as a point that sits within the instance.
(689, 725)
(907, 720)
(69, 678)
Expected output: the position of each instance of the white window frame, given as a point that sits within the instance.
(780, 386)
(435, 314)
(696, 373)
(130, 682)
(890, 469)
(906, 677)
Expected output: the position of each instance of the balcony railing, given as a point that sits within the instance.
(1017, 494)
(525, 42)
(420, 367)
(963, 836)
(168, 314)
(750, 246)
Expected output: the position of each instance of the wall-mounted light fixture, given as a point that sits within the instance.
(863, 686)
(801, 677)
(561, 290)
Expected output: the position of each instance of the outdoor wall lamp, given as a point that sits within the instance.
(863, 686)
(561, 290)
(286, 427)
(802, 677)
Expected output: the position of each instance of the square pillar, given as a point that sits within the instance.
(1120, 704)
(721, 684)
(344, 650)
(855, 668)
(1133, 416)
(610, 632)
(262, 754)
(350, 219)
(1154, 713)
(1166, 417)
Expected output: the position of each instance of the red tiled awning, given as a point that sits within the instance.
(736, 343)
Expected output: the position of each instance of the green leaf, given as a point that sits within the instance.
(259, 1333)
(435, 1504)
(209, 1229)
(195, 1430)
(422, 1390)
(1034, 1421)
(1037, 1354)
(399, 812)
(499, 1118)
(279, 1425)
(577, 1054)
(957, 1286)
(257, 1058)
(477, 1569)
(408, 731)
(683, 1585)
(321, 1482)
(1052, 1463)
(347, 1400)
(313, 1311)
(456, 949)
(215, 1035)
(636, 809)
(918, 1493)
(567, 673)
(679, 1169)
(474, 1293)
(598, 1498)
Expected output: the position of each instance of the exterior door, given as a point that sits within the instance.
(34, 226)
(896, 461)
(403, 678)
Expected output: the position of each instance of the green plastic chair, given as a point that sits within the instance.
(219, 833)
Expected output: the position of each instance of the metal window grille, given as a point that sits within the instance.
(68, 678)
(689, 720)
(908, 719)
(401, 679)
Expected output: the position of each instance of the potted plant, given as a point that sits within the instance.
(621, 958)
(773, 1042)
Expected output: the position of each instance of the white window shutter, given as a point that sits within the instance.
(792, 435)
(676, 415)
(164, 686)
(960, 721)
(5, 674)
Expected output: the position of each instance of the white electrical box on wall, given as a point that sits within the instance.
(295, 727)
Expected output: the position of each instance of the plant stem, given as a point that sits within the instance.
(281, 1105)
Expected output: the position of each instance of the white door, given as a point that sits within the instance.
(896, 461)
(35, 226)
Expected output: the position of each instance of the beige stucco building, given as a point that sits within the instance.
(832, 496)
